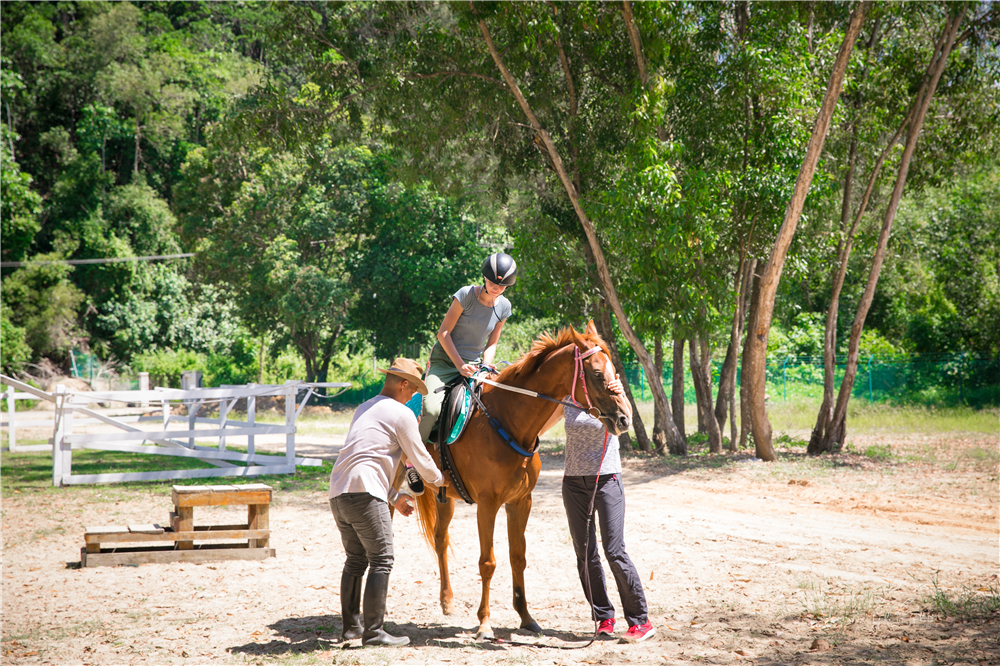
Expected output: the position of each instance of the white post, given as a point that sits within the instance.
(66, 447)
(223, 414)
(166, 413)
(290, 392)
(144, 386)
(251, 418)
(57, 436)
(11, 435)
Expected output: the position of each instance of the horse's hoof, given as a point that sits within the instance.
(485, 635)
(447, 608)
(532, 627)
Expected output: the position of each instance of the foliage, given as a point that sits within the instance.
(14, 349)
(19, 203)
(44, 302)
(417, 250)
(166, 366)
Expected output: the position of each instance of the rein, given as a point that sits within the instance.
(578, 358)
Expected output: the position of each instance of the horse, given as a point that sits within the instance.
(494, 474)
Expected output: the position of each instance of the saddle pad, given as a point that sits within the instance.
(458, 409)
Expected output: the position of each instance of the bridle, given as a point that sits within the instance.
(578, 357)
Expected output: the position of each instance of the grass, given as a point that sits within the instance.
(32, 473)
(842, 604)
(966, 604)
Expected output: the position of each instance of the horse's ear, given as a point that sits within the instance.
(591, 329)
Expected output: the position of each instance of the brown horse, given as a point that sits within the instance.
(494, 474)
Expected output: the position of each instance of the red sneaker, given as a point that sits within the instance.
(639, 632)
(607, 627)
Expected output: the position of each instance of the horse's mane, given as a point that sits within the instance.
(545, 345)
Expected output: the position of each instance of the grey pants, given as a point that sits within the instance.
(437, 375)
(610, 508)
(366, 530)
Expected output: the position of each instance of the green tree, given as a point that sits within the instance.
(43, 301)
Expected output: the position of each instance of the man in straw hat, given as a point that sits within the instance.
(382, 429)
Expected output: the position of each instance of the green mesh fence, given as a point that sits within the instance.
(946, 379)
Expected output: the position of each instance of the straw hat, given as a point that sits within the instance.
(409, 370)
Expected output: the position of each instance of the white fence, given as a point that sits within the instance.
(176, 435)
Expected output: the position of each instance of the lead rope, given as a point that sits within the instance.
(586, 567)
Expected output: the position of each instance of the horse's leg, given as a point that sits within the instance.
(486, 515)
(517, 521)
(441, 540)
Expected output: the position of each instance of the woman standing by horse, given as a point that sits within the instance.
(592, 459)
(469, 333)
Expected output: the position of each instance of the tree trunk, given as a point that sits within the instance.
(755, 352)
(818, 440)
(836, 433)
(677, 387)
(727, 375)
(699, 389)
(745, 420)
(607, 332)
(675, 443)
(659, 415)
(701, 373)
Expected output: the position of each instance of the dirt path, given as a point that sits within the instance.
(742, 563)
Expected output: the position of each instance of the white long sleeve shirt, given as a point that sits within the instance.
(381, 431)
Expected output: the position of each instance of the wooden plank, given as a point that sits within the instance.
(258, 519)
(145, 529)
(222, 496)
(106, 529)
(167, 554)
(185, 524)
(197, 534)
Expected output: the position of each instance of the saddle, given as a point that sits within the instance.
(456, 409)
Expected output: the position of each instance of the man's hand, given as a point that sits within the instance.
(404, 504)
(445, 480)
(615, 386)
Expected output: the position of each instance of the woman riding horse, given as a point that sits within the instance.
(496, 475)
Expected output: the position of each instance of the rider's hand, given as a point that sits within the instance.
(467, 369)
(615, 385)
(445, 479)
(404, 504)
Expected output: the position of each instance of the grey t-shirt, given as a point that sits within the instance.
(473, 327)
(585, 444)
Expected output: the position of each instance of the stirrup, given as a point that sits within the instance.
(442, 496)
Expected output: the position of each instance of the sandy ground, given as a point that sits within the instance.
(790, 563)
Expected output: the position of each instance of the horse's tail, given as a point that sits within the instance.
(427, 516)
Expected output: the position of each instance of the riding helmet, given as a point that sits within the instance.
(499, 268)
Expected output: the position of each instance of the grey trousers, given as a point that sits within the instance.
(610, 508)
(437, 375)
(366, 530)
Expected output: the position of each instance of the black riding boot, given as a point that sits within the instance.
(350, 606)
(375, 592)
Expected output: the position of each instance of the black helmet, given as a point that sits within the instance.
(499, 268)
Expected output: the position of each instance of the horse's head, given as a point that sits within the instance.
(611, 408)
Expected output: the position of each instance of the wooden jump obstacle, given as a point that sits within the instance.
(103, 544)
